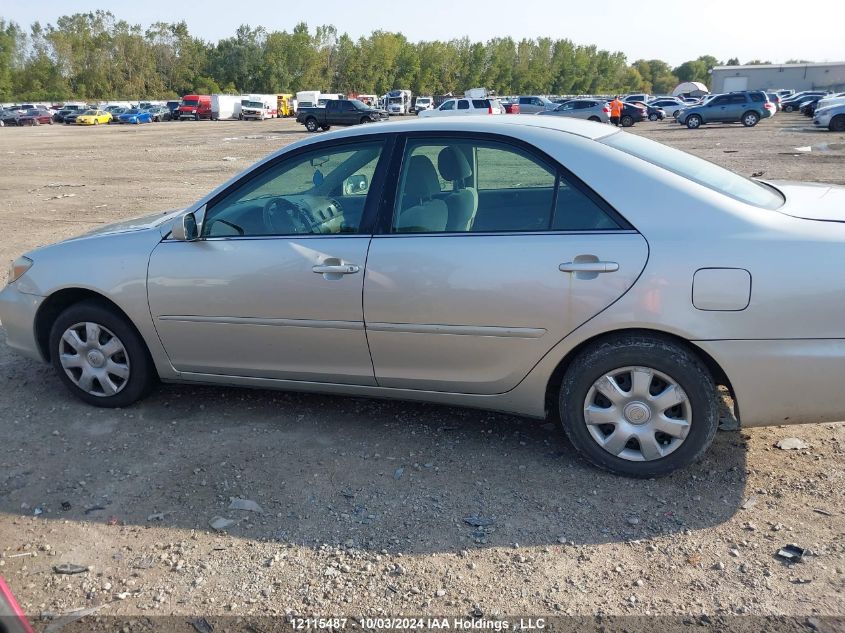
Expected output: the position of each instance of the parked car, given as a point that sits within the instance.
(115, 112)
(462, 107)
(808, 107)
(173, 106)
(31, 116)
(637, 98)
(790, 104)
(159, 113)
(775, 99)
(633, 113)
(590, 109)
(670, 105)
(832, 117)
(339, 112)
(69, 118)
(652, 113)
(135, 116)
(605, 300)
(534, 104)
(746, 107)
(94, 117)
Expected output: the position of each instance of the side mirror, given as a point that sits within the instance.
(356, 184)
(185, 228)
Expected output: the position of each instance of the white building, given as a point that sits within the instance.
(828, 75)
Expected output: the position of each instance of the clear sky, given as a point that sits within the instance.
(671, 30)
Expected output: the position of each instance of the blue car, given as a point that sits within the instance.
(135, 115)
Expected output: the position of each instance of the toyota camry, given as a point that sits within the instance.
(533, 265)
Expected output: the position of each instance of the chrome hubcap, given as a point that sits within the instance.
(94, 359)
(637, 413)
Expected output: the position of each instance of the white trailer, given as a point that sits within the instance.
(308, 98)
(399, 101)
(225, 107)
(476, 93)
(329, 96)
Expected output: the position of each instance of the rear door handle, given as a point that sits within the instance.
(336, 269)
(589, 267)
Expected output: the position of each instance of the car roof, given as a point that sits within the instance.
(506, 124)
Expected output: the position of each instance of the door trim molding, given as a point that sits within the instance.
(233, 320)
(458, 330)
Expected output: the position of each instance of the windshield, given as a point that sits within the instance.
(697, 169)
(423, 101)
(359, 105)
(395, 100)
(190, 102)
(133, 111)
(254, 104)
(89, 113)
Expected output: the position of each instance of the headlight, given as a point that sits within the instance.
(18, 267)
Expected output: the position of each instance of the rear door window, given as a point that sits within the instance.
(463, 104)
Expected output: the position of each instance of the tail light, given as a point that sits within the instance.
(606, 109)
(489, 109)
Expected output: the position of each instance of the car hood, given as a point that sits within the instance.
(812, 201)
(147, 222)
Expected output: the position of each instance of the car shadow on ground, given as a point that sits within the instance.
(373, 474)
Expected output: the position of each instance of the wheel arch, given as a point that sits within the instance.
(555, 379)
(59, 301)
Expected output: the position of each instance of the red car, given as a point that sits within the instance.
(511, 107)
(35, 117)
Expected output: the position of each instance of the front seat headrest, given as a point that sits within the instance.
(453, 165)
(421, 179)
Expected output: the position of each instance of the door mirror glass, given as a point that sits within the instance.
(356, 184)
(185, 228)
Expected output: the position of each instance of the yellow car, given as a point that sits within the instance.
(93, 117)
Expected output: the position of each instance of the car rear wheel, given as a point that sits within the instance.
(837, 123)
(694, 121)
(653, 116)
(594, 118)
(100, 357)
(626, 121)
(96, 122)
(639, 405)
(311, 124)
(750, 119)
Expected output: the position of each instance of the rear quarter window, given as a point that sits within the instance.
(697, 170)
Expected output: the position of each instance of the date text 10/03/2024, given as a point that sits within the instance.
(430, 623)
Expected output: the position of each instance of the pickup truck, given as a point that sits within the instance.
(339, 112)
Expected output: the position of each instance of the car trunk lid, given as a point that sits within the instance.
(812, 201)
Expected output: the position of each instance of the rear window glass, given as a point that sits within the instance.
(697, 169)
(757, 97)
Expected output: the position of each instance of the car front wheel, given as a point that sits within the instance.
(653, 116)
(837, 123)
(311, 125)
(639, 406)
(100, 357)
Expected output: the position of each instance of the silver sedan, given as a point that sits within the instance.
(533, 265)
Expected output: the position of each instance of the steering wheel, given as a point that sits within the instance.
(282, 216)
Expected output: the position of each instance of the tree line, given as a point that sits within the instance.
(96, 56)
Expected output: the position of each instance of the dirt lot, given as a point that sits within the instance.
(364, 502)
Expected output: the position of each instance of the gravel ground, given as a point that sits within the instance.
(367, 507)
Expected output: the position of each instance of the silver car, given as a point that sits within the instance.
(590, 109)
(532, 265)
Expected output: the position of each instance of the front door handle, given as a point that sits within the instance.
(336, 269)
(589, 267)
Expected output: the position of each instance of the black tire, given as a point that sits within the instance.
(750, 119)
(594, 119)
(656, 353)
(837, 123)
(141, 376)
(653, 116)
(365, 120)
(626, 121)
(788, 107)
(325, 128)
(311, 124)
(694, 121)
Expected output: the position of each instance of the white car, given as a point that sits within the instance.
(459, 107)
(671, 105)
(831, 117)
